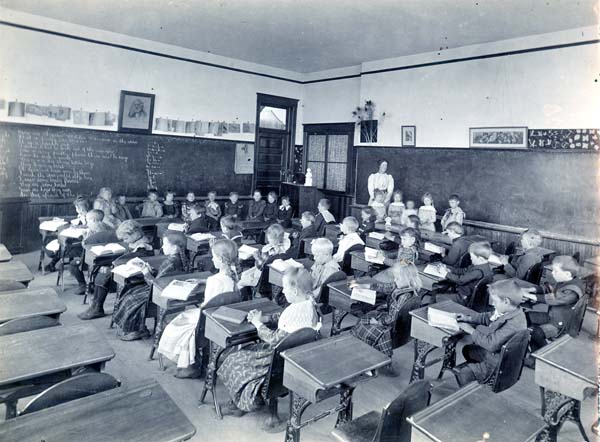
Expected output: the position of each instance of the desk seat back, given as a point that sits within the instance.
(534, 273)
(573, 327)
(323, 297)
(21, 325)
(509, 368)
(70, 389)
(347, 261)
(479, 300)
(392, 425)
(401, 328)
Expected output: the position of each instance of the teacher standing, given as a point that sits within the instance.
(381, 181)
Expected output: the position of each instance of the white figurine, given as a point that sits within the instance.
(308, 180)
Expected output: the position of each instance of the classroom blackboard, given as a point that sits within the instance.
(43, 162)
(549, 190)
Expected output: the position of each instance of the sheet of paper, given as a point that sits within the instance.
(180, 290)
(202, 236)
(433, 248)
(52, 225)
(377, 235)
(246, 252)
(495, 260)
(439, 271)
(442, 319)
(177, 227)
(374, 256)
(72, 232)
(53, 246)
(364, 295)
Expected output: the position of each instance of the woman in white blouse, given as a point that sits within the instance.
(381, 181)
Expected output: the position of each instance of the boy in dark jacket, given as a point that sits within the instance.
(198, 220)
(285, 213)
(307, 221)
(367, 224)
(234, 207)
(492, 331)
(324, 216)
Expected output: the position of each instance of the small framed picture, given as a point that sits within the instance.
(498, 137)
(135, 112)
(409, 136)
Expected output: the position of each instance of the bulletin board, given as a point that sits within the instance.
(244, 158)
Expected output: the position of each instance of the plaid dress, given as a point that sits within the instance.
(130, 315)
(379, 335)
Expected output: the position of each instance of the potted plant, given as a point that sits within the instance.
(363, 115)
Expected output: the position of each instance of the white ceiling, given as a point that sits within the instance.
(314, 35)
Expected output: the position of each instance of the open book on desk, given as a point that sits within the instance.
(108, 249)
(433, 248)
(180, 290)
(281, 266)
(246, 252)
(377, 235)
(73, 232)
(177, 227)
(130, 268)
(374, 256)
(52, 225)
(438, 270)
(364, 295)
(442, 319)
(202, 236)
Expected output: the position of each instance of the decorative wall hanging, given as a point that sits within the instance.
(409, 136)
(498, 137)
(565, 139)
(135, 112)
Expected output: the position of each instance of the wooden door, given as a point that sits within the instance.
(270, 160)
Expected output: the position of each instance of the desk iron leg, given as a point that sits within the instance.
(449, 361)
(160, 325)
(345, 414)
(556, 409)
(422, 349)
(297, 406)
(210, 381)
(337, 317)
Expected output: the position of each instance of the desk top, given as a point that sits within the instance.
(473, 410)
(344, 288)
(106, 417)
(50, 350)
(150, 221)
(161, 283)
(4, 254)
(16, 271)
(154, 261)
(572, 356)
(30, 302)
(332, 361)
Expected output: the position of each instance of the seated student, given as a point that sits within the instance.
(349, 237)
(130, 314)
(408, 212)
(198, 220)
(324, 216)
(466, 279)
(213, 211)
(408, 251)
(551, 321)
(271, 208)
(307, 220)
(170, 206)
(230, 230)
(106, 204)
(256, 207)
(375, 328)
(243, 371)
(412, 222)
(190, 200)
(396, 207)
(460, 244)
(234, 207)
(178, 342)
(122, 212)
(378, 205)
(285, 212)
(367, 225)
(493, 330)
(81, 206)
(130, 232)
(324, 265)
(454, 214)
(517, 265)
(427, 213)
(95, 224)
(151, 208)
(277, 244)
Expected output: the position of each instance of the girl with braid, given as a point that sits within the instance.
(130, 315)
(179, 341)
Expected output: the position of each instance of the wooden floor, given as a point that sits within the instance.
(131, 365)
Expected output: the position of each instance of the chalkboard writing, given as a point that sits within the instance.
(44, 162)
(553, 191)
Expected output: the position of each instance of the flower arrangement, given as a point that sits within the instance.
(363, 115)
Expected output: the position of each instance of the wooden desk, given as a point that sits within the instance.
(332, 231)
(276, 277)
(15, 271)
(90, 257)
(26, 303)
(37, 353)
(166, 306)
(428, 338)
(47, 235)
(137, 413)
(471, 411)
(322, 369)
(197, 247)
(307, 244)
(566, 372)
(253, 228)
(359, 263)
(342, 304)
(4, 254)
(427, 280)
(149, 221)
(223, 334)
(153, 261)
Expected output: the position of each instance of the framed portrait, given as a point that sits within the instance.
(135, 112)
(409, 136)
(498, 137)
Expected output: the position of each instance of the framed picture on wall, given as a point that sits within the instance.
(409, 136)
(498, 137)
(135, 112)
